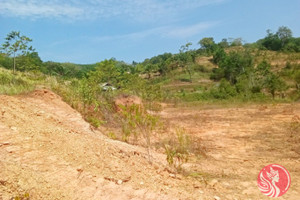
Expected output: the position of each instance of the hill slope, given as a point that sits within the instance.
(50, 152)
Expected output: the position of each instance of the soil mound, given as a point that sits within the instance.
(127, 101)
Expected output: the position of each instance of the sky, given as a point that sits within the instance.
(89, 31)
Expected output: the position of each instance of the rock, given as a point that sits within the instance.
(217, 198)
(213, 182)
(245, 184)
(79, 169)
(126, 179)
(119, 182)
(10, 149)
(172, 175)
(40, 113)
(13, 128)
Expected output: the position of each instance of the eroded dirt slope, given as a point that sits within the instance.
(50, 152)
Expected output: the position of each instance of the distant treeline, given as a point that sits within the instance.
(282, 40)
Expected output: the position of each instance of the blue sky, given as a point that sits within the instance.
(89, 31)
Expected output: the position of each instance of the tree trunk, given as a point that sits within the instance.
(14, 70)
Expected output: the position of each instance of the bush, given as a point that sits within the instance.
(136, 121)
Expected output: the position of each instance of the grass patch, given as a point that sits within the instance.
(12, 84)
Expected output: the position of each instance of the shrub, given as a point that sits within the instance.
(136, 121)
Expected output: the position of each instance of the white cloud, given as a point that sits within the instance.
(177, 32)
(150, 10)
(188, 31)
(38, 9)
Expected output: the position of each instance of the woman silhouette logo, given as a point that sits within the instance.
(274, 180)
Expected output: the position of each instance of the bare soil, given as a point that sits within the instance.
(50, 152)
(240, 141)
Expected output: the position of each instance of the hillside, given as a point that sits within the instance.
(197, 124)
(49, 152)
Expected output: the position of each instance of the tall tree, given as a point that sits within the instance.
(284, 34)
(208, 44)
(16, 45)
(187, 57)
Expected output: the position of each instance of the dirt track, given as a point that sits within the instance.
(49, 151)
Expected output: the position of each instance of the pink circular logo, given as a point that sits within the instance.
(274, 180)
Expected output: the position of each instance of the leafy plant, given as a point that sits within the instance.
(25, 196)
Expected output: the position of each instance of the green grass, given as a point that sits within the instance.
(12, 84)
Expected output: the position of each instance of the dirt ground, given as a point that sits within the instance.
(240, 141)
(48, 151)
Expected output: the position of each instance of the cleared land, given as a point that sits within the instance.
(50, 152)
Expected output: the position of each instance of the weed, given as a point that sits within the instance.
(294, 134)
(16, 83)
(94, 121)
(178, 150)
(112, 135)
(136, 121)
(25, 196)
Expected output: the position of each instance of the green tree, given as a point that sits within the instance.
(5, 61)
(16, 45)
(274, 83)
(236, 42)
(29, 62)
(187, 57)
(270, 42)
(224, 43)
(208, 44)
(219, 55)
(106, 71)
(268, 79)
(284, 34)
(281, 40)
(235, 64)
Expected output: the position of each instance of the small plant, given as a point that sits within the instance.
(21, 197)
(177, 151)
(294, 134)
(294, 128)
(112, 135)
(94, 121)
(137, 121)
